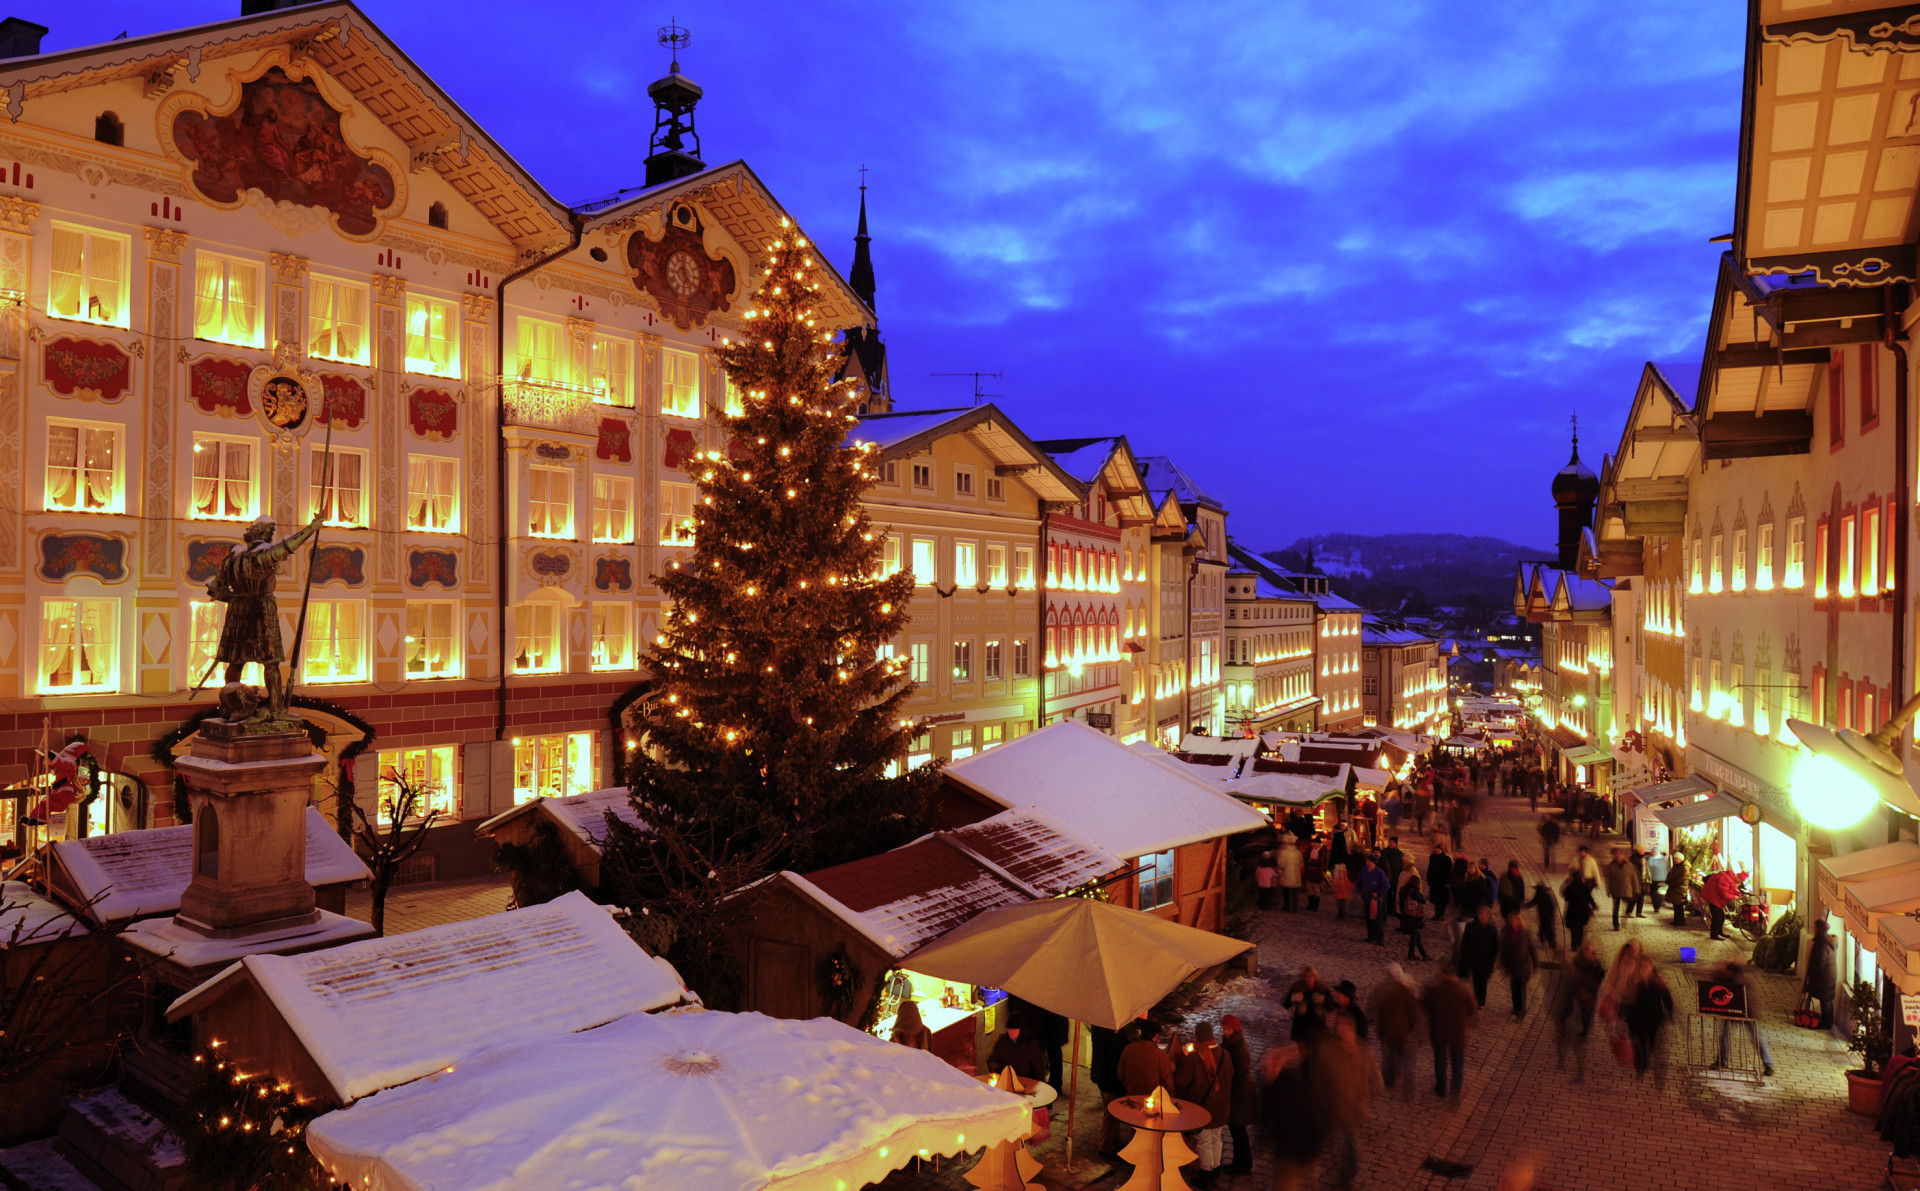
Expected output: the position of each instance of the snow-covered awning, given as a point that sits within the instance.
(585, 815)
(689, 1101)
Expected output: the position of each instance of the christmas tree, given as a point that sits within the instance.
(774, 731)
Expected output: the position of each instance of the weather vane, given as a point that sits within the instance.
(675, 37)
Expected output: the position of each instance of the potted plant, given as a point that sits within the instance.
(1873, 1044)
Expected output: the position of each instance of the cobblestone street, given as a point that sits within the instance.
(1700, 1130)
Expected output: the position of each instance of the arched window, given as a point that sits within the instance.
(207, 833)
(437, 215)
(108, 130)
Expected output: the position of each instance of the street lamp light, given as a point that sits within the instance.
(1849, 771)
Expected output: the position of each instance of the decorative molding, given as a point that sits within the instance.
(17, 214)
(12, 485)
(340, 564)
(109, 170)
(203, 557)
(288, 268)
(477, 308)
(163, 278)
(388, 347)
(436, 253)
(612, 573)
(433, 414)
(86, 369)
(164, 243)
(392, 290)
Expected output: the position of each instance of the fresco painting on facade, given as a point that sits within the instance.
(614, 441)
(89, 369)
(676, 271)
(204, 558)
(65, 554)
(345, 399)
(612, 574)
(340, 564)
(220, 386)
(284, 140)
(681, 448)
(433, 414)
(427, 567)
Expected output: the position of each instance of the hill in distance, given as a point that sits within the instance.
(1414, 572)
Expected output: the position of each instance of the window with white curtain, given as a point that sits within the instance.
(79, 647)
(226, 300)
(537, 639)
(338, 492)
(612, 509)
(224, 473)
(337, 320)
(433, 337)
(208, 616)
(433, 494)
(541, 358)
(613, 636)
(612, 365)
(433, 647)
(676, 513)
(680, 383)
(550, 502)
(335, 649)
(83, 467)
(736, 404)
(88, 279)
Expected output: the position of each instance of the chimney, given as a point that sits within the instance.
(20, 39)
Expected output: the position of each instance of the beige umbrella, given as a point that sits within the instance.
(1083, 959)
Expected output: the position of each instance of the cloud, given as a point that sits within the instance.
(1603, 209)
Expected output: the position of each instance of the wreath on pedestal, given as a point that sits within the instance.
(838, 978)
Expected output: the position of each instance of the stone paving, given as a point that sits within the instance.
(1690, 1129)
(410, 907)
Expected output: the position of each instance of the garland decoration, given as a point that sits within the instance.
(245, 1130)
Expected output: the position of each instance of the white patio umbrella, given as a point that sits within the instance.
(688, 1102)
(1083, 959)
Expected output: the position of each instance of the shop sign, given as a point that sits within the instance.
(1722, 998)
(1910, 1010)
(1102, 720)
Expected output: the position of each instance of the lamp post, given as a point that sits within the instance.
(1849, 771)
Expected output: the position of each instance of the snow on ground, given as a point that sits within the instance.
(693, 1102)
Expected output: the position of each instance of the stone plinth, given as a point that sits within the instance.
(249, 789)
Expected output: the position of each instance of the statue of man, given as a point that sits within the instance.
(251, 632)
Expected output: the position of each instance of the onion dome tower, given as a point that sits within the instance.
(674, 97)
(1576, 490)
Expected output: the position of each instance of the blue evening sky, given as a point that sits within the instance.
(1352, 265)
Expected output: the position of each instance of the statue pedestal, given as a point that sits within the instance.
(248, 784)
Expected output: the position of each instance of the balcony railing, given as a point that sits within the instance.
(553, 405)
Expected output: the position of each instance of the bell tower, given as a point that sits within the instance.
(674, 150)
(1576, 490)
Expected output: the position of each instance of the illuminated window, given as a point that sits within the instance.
(537, 639)
(963, 661)
(960, 744)
(1155, 879)
(1820, 561)
(736, 407)
(79, 650)
(1763, 569)
(433, 643)
(1869, 385)
(676, 513)
(1737, 696)
(207, 618)
(889, 556)
(338, 492)
(550, 502)
(611, 362)
(1847, 557)
(433, 494)
(920, 665)
(992, 734)
(1714, 566)
(429, 771)
(88, 281)
(337, 320)
(925, 573)
(433, 337)
(612, 509)
(1870, 552)
(542, 355)
(552, 766)
(1694, 583)
(1739, 560)
(966, 569)
(990, 668)
(1023, 659)
(679, 383)
(1023, 566)
(996, 566)
(336, 641)
(1796, 568)
(223, 478)
(83, 468)
(226, 301)
(612, 636)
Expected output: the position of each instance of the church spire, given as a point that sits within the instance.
(860, 277)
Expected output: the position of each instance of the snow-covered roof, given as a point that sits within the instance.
(1231, 746)
(1161, 757)
(694, 1101)
(585, 815)
(28, 918)
(1162, 472)
(1099, 788)
(140, 873)
(912, 895)
(1373, 632)
(1085, 463)
(1291, 788)
(378, 1013)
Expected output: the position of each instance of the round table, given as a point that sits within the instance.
(1157, 1150)
(1006, 1166)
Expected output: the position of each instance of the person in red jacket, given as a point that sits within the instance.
(1719, 891)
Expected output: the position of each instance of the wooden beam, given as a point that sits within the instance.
(1651, 434)
(1662, 488)
(1761, 355)
(1863, 330)
(1823, 304)
(1746, 436)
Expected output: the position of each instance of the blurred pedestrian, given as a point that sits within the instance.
(1439, 879)
(1342, 883)
(909, 1029)
(1586, 867)
(1646, 1016)
(1314, 876)
(1449, 1006)
(1392, 859)
(1657, 878)
(1374, 890)
(1818, 983)
(1547, 910)
(1513, 890)
(1203, 1075)
(1291, 1112)
(1265, 876)
(1309, 1001)
(1346, 1001)
(1578, 898)
(1290, 873)
(1519, 955)
(1574, 999)
(1245, 1109)
(1415, 910)
(1479, 951)
(1736, 974)
(1344, 1079)
(1549, 832)
(1396, 1013)
(1623, 884)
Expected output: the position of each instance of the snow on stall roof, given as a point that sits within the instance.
(1040, 853)
(690, 1101)
(585, 815)
(1293, 789)
(28, 918)
(379, 1013)
(916, 893)
(1099, 788)
(142, 873)
(1187, 769)
(1231, 746)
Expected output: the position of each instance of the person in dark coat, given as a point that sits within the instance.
(1291, 1112)
(1145, 1064)
(1513, 890)
(1440, 880)
(1375, 890)
(1470, 893)
(1346, 1002)
(1479, 951)
(1415, 910)
(1203, 1075)
(1245, 1109)
(1574, 999)
(1018, 1049)
(1392, 859)
(1519, 955)
(1310, 1002)
(1578, 896)
(1448, 1004)
(1646, 1015)
(1396, 1011)
(1677, 892)
(1818, 983)
(1548, 910)
(1104, 1070)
